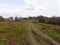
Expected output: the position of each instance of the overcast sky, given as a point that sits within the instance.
(27, 8)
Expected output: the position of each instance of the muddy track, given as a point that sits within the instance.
(44, 36)
(31, 37)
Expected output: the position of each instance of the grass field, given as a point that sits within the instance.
(29, 33)
(51, 30)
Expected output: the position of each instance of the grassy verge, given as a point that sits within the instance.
(49, 31)
(10, 31)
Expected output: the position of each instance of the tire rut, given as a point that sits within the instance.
(31, 37)
(45, 37)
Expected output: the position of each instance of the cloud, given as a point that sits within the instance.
(31, 8)
(3, 7)
(58, 7)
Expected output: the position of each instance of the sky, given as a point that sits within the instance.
(26, 8)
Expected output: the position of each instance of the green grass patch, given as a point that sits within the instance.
(55, 35)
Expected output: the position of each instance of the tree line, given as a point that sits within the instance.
(10, 19)
(42, 19)
(49, 20)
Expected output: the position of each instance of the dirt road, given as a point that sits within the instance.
(31, 37)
